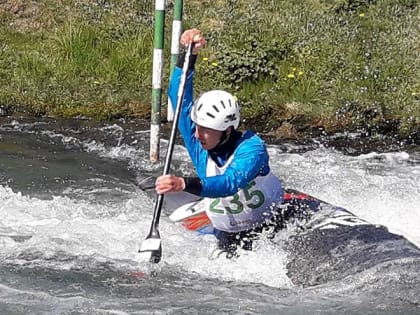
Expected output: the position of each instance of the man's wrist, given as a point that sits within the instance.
(181, 58)
(193, 185)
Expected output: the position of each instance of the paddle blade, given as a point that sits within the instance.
(151, 248)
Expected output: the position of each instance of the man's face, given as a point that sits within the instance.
(209, 138)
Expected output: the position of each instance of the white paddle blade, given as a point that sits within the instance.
(151, 250)
(150, 245)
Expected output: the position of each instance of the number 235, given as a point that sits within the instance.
(256, 198)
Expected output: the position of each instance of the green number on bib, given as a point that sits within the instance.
(213, 205)
(237, 205)
(249, 195)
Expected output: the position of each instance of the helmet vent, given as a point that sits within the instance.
(199, 107)
(210, 115)
(215, 108)
(230, 104)
(223, 104)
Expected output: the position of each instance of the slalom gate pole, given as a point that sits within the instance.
(159, 30)
(152, 244)
(176, 35)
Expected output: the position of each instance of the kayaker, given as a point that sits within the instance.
(232, 166)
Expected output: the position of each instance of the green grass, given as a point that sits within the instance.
(337, 64)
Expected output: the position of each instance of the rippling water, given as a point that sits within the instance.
(73, 219)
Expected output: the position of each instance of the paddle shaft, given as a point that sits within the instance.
(154, 228)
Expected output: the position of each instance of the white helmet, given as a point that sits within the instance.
(216, 110)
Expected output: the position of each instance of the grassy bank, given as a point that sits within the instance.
(338, 65)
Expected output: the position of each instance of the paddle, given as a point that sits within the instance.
(152, 243)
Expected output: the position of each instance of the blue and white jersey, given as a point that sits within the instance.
(249, 160)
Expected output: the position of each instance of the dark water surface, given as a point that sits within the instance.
(73, 219)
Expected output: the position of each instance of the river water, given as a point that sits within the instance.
(73, 218)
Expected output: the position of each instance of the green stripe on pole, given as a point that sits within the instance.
(176, 34)
(159, 30)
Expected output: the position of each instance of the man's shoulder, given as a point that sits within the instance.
(249, 135)
(251, 141)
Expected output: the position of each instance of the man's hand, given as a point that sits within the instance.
(193, 35)
(169, 183)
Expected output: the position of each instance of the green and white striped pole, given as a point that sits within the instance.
(176, 34)
(159, 31)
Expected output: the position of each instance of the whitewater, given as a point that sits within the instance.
(73, 217)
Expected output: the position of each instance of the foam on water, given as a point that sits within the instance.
(198, 254)
(382, 188)
(77, 228)
(63, 226)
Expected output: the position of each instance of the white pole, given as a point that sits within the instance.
(157, 79)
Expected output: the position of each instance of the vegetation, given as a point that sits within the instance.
(294, 65)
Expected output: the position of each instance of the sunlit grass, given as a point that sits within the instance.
(354, 63)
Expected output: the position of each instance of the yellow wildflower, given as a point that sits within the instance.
(290, 75)
(361, 15)
(214, 64)
(205, 59)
